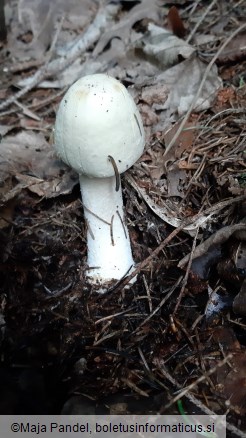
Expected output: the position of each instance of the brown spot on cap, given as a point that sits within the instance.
(82, 93)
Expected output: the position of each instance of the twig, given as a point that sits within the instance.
(195, 176)
(208, 68)
(192, 33)
(111, 230)
(193, 384)
(134, 387)
(201, 358)
(96, 216)
(144, 360)
(186, 273)
(22, 66)
(220, 113)
(114, 315)
(41, 103)
(148, 294)
(108, 336)
(122, 223)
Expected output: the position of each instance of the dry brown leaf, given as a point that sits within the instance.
(184, 141)
(158, 165)
(175, 176)
(29, 158)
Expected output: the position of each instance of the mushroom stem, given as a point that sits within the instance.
(109, 249)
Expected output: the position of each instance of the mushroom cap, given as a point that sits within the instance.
(98, 118)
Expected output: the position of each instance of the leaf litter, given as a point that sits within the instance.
(185, 202)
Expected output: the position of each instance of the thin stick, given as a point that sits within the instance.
(96, 216)
(116, 172)
(122, 223)
(114, 315)
(192, 33)
(143, 359)
(111, 230)
(148, 294)
(186, 273)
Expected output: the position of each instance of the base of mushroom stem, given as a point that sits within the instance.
(102, 285)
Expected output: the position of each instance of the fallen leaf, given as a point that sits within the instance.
(184, 141)
(183, 81)
(166, 211)
(163, 48)
(177, 87)
(29, 158)
(175, 176)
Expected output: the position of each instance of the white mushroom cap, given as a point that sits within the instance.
(98, 118)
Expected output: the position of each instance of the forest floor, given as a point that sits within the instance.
(175, 341)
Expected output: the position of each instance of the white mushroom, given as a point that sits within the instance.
(99, 133)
